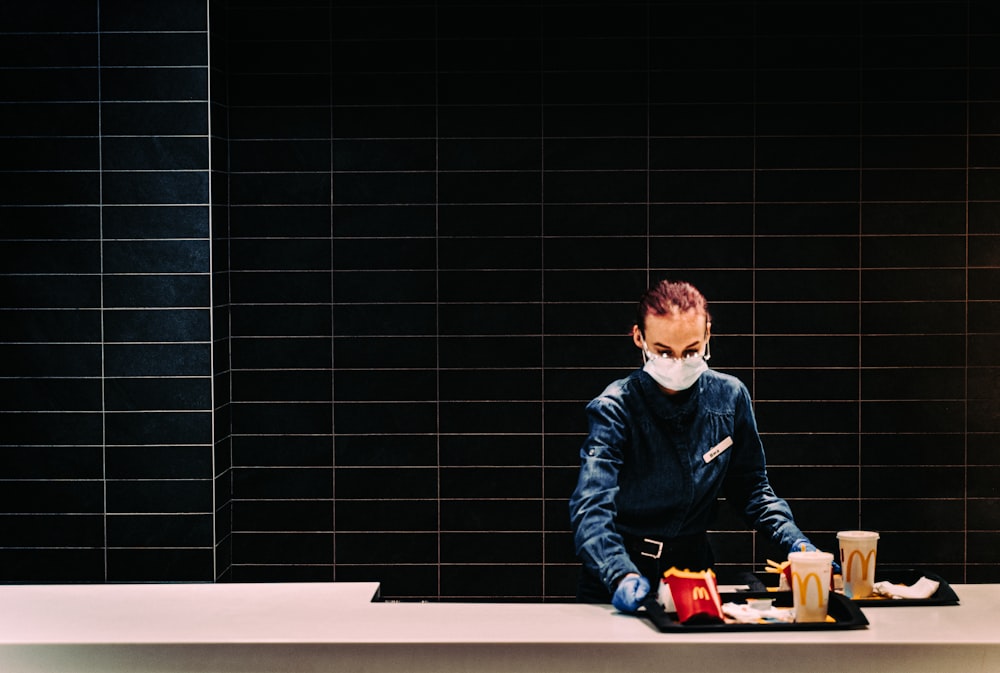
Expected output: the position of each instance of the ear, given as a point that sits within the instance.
(637, 337)
(708, 331)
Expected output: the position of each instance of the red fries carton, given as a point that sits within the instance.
(695, 595)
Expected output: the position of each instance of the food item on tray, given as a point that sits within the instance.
(694, 594)
(783, 570)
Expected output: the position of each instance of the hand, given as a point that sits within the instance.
(805, 545)
(630, 592)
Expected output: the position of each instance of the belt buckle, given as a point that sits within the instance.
(659, 548)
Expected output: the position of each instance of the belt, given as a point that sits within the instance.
(654, 548)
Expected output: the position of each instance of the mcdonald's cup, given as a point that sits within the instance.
(857, 561)
(810, 584)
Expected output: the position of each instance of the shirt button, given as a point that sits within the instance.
(591, 452)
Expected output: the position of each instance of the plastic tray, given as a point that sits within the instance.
(944, 595)
(845, 613)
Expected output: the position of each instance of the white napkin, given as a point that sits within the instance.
(922, 588)
(744, 614)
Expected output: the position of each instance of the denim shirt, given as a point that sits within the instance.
(644, 469)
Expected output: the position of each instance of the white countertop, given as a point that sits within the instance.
(335, 626)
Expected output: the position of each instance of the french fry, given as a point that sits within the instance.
(775, 567)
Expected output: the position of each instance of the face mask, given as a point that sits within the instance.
(675, 374)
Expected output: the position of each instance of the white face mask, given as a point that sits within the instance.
(675, 374)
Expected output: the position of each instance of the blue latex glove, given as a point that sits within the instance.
(806, 545)
(630, 592)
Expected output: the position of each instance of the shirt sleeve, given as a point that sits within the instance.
(592, 505)
(748, 487)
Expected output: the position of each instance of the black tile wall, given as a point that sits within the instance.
(221, 288)
(106, 367)
(337, 278)
(503, 182)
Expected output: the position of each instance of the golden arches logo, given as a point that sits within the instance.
(864, 559)
(802, 584)
(700, 594)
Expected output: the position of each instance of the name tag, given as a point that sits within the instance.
(714, 452)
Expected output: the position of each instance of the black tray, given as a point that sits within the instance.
(944, 595)
(846, 615)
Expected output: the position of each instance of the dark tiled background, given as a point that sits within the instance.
(318, 290)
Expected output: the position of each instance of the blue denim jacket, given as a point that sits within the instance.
(644, 469)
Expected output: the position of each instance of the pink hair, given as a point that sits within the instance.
(668, 297)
